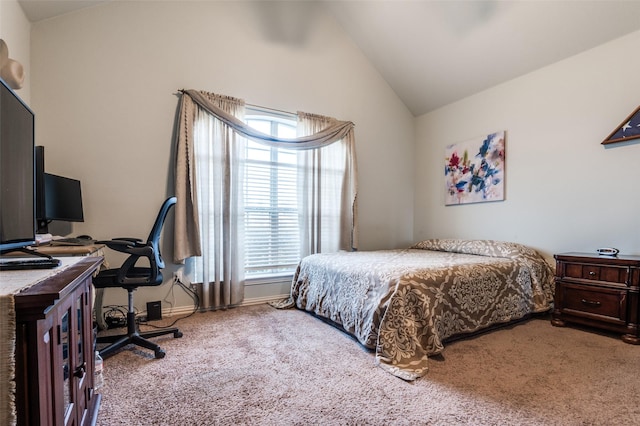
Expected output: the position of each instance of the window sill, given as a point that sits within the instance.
(268, 279)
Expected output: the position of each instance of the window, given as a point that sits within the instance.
(272, 235)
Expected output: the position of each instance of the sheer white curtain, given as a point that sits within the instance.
(326, 178)
(209, 186)
(219, 159)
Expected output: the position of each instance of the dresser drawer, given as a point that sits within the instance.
(603, 304)
(611, 274)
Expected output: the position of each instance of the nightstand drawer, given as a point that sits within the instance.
(594, 302)
(612, 274)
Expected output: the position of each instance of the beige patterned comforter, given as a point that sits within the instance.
(404, 303)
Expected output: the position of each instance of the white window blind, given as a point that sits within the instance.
(272, 236)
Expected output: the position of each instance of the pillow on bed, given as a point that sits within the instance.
(480, 247)
(541, 272)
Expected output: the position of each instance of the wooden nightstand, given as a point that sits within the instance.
(598, 291)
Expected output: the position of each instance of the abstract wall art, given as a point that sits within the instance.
(474, 170)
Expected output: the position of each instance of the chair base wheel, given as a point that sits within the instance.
(134, 337)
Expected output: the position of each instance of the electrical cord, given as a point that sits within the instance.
(115, 316)
(191, 293)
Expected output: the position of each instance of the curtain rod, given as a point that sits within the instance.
(181, 92)
(271, 109)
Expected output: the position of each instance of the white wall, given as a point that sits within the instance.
(103, 87)
(104, 90)
(564, 190)
(15, 30)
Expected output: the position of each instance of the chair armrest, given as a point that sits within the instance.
(133, 240)
(130, 246)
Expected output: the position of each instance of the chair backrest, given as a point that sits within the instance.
(156, 230)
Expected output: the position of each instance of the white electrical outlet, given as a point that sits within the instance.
(177, 275)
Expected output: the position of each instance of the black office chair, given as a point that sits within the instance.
(130, 277)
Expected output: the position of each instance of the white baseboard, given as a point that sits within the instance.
(261, 300)
(184, 310)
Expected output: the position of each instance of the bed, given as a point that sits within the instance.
(403, 304)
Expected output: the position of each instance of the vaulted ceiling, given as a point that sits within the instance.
(435, 52)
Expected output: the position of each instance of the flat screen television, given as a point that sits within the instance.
(17, 186)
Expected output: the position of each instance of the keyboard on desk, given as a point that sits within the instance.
(72, 242)
(18, 264)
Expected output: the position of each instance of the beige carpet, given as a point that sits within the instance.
(261, 366)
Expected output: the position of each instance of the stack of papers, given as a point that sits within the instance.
(43, 238)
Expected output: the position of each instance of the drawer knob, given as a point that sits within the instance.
(591, 302)
(592, 273)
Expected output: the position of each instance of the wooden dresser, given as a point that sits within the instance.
(598, 291)
(54, 353)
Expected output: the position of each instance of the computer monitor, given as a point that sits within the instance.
(62, 201)
(57, 197)
(63, 198)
